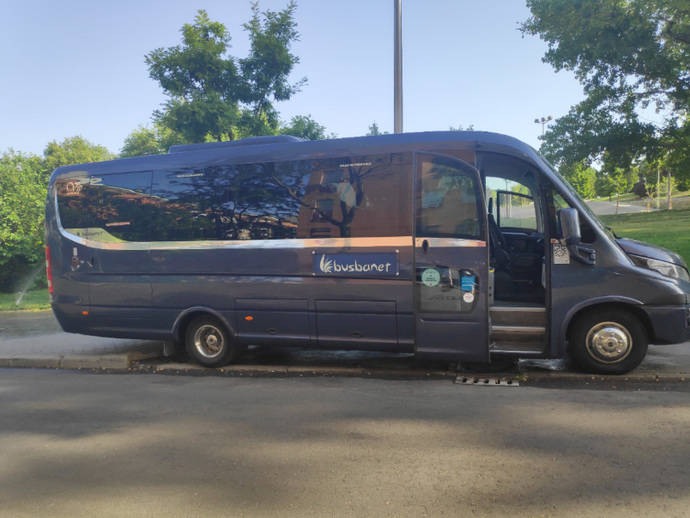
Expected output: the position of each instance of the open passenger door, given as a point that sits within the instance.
(451, 260)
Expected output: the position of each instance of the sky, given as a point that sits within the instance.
(77, 67)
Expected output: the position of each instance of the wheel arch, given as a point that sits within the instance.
(631, 305)
(189, 314)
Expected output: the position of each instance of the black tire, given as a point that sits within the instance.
(608, 341)
(208, 342)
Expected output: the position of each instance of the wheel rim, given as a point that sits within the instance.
(208, 341)
(609, 342)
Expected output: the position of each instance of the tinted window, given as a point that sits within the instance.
(107, 208)
(359, 196)
(447, 200)
(347, 197)
(229, 202)
(355, 196)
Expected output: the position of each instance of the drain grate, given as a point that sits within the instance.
(485, 382)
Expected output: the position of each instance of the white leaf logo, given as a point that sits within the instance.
(326, 265)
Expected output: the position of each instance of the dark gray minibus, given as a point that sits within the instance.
(459, 245)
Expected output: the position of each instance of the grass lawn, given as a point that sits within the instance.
(33, 300)
(670, 229)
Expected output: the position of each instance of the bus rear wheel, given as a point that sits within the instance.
(610, 341)
(209, 343)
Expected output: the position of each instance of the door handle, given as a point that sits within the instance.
(92, 262)
(425, 245)
(584, 254)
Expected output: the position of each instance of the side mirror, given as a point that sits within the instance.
(570, 227)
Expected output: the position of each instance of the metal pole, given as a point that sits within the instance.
(397, 68)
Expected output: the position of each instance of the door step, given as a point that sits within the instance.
(518, 315)
(518, 330)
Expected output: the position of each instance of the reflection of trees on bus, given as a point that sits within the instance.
(282, 200)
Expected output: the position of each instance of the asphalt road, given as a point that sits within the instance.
(609, 207)
(76, 444)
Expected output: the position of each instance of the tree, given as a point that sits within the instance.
(374, 130)
(305, 127)
(149, 141)
(215, 96)
(23, 185)
(73, 150)
(582, 178)
(628, 55)
(22, 205)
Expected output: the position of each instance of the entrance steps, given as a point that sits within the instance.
(518, 329)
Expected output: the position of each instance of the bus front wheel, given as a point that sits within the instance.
(208, 342)
(609, 341)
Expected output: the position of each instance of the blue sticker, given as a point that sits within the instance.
(467, 283)
(370, 265)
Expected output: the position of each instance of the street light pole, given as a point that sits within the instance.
(397, 67)
(543, 121)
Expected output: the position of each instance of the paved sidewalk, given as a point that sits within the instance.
(34, 339)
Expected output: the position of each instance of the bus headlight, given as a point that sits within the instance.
(664, 268)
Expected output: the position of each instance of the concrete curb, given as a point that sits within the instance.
(136, 362)
(101, 362)
(187, 369)
(578, 377)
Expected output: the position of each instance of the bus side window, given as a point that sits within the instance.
(447, 201)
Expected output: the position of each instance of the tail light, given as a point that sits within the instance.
(49, 271)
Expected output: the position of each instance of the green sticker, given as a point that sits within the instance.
(431, 277)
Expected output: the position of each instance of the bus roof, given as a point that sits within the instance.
(285, 147)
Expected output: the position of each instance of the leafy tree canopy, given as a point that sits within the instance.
(149, 141)
(22, 205)
(629, 55)
(305, 127)
(23, 187)
(216, 96)
(73, 150)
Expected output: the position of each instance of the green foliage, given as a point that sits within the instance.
(614, 180)
(22, 206)
(149, 141)
(582, 178)
(305, 127)
(374, 130)
(216, 96)
(23, 185)
(73, 150)
(629, 55)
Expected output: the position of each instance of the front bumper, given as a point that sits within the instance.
(670, 324)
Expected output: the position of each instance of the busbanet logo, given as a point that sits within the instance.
(369, 264)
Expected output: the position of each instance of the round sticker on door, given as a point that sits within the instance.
(468, 297)
(431, 277)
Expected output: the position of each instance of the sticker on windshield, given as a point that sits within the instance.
(431, 277)
(560, 254)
